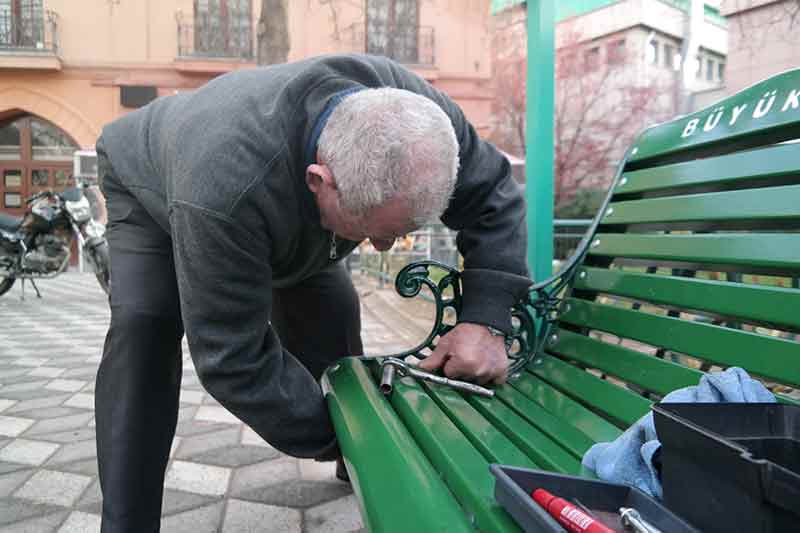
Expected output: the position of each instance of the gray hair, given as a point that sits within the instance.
(381, 143)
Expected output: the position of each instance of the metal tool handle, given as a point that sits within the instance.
(392, 365)
(454, 383)
(632, 518)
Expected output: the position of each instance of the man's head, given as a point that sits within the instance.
(386, 164)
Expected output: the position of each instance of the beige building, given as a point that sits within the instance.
(68, 67)
(618, 66)
(764, 40)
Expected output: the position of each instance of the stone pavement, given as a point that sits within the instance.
(221, 476)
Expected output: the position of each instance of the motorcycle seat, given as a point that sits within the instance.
(9, 222)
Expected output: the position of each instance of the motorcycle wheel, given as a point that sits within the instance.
(6, 283)
(102, 262)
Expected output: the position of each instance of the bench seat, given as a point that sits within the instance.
(692, 265)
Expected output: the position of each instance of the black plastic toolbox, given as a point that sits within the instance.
(731, 466)
(514, 486)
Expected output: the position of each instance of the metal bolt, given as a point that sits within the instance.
(609, 211)
(537, 361)
(515, 376)
(623, 182)
(583, 274)
(553, 338)
(596, 243)
(634, 151)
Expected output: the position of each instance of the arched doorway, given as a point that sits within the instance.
(34, 155)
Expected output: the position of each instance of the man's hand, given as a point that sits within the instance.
(470, 352)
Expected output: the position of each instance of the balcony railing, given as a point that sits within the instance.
(414, 45)
(208, 37)
(35, 33)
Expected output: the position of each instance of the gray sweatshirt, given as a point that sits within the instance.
(222, 170)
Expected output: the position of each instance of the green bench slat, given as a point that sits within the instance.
(771, 250)
(751, 128)
(564, 408)
(787, 400)
(537, 445)
(715, 172)
(769, 357)
(489, 441)
(629, 365)
(390, 473)
(770, 305)
(557, 429)
(622, 406)
(421, 457)
(776, 204)
(461, 466)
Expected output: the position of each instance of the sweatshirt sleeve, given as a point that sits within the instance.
(488, 210)
(225, 285)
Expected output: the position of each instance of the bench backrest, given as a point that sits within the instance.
(696, 261)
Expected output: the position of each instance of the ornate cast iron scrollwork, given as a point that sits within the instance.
(409, 283)
(532, 318)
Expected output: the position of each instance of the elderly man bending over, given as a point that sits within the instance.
(230, 209)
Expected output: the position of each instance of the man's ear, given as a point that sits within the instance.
(319, 176)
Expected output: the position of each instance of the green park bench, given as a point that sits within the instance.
(691, 264)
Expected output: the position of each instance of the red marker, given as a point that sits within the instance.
(569, 516)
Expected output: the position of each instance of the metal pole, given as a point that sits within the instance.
(430, 243)
(81, 265)
(539, 152)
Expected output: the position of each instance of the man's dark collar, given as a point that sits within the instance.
(336, 99)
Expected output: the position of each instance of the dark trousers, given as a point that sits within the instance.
(138, 382)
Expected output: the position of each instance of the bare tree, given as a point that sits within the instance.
(792, 10)
(599, 109)
(511, 75)
(334, 8)
(273, 36)
(755, 25)
(349, 30)
(273, 32)
(509, 72)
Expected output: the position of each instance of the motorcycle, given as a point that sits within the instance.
(37, 245)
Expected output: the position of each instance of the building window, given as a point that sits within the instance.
(10, 142)
(393, 29)
(710, 70)
(34, 154)
(40, 177)
(698, 64)
(49, 143)
(721, 72)
(616, 52)
(223, 28)
(12, 179)
(12, 200)
(672, 58)
(62, 177)
(676, 61)
(652, 52)
(21, 24)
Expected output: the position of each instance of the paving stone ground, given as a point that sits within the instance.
(221, 477)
